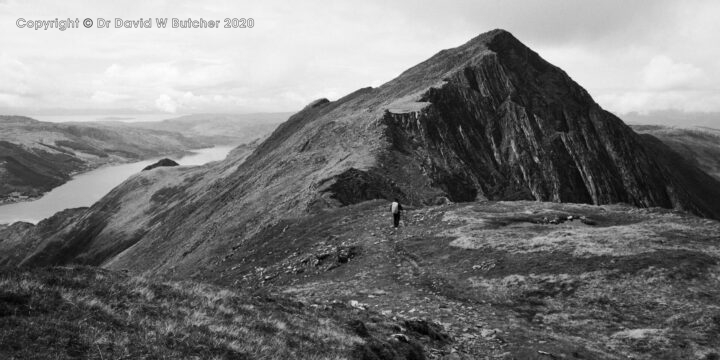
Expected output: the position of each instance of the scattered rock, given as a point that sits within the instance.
(358, 305)
(400, 337)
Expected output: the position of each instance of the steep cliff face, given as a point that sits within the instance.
(508, 125)
(489, 119)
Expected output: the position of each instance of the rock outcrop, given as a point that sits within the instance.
(165, 162)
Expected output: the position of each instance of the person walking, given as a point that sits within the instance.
(396, 208)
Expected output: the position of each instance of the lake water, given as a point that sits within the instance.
(87, 188)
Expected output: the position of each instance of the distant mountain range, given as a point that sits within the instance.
(674, 118)
(220, 129)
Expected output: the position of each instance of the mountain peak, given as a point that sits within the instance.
(495, 41)
(488, 120)
(496, 46)
(492, 35)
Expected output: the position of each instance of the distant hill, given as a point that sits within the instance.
(700, 145)
(37, 156)
(219, 129)
(674, 118)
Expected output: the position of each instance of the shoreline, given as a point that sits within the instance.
(9, 200)
(16, 200)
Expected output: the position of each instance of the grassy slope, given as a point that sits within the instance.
(62, 313)
(627, 283)
(499, 277)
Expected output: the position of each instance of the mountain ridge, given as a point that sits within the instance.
(487, 120)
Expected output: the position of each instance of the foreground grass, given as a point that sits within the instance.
(60, 313)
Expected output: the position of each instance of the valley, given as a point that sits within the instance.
(36, 156)
(85, 189)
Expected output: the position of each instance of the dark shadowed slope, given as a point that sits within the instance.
(487, 120)
(699, 146)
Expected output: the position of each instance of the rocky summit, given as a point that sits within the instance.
(303, 213)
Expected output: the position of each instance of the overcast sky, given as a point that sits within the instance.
(630, 55)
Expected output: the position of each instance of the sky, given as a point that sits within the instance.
(632, 56)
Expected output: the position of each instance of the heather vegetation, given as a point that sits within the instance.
(90, 313)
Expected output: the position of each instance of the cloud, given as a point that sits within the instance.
(107, 97)
(662, 73)
(16, 76)
(662, 84)
(647, 101)
(166, 104)
(628, 55)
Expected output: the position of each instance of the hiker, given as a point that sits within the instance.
(396, 208)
